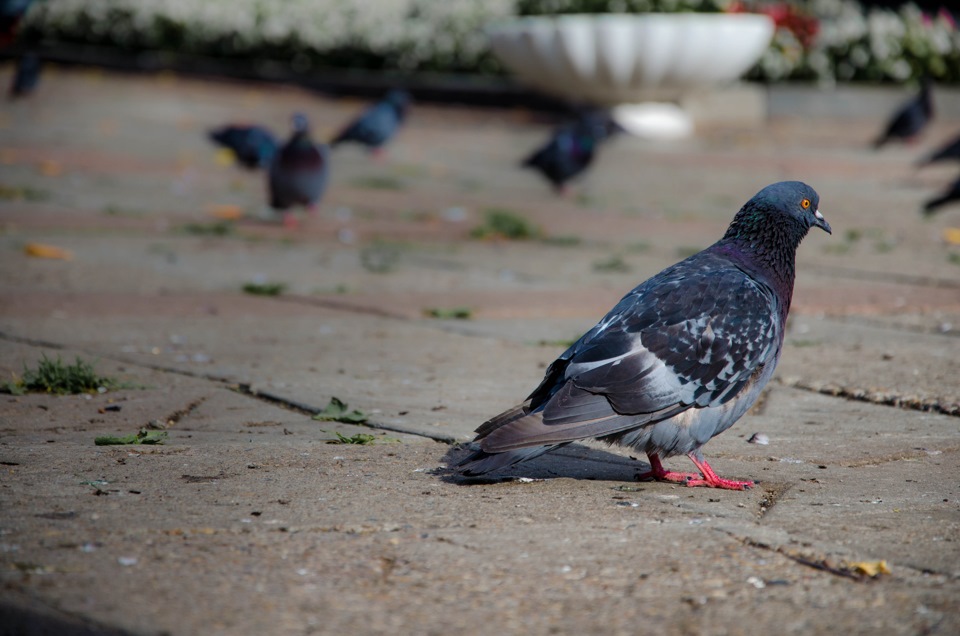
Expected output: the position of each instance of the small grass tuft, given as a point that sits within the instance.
(613, 264)
(215, 228)
(450, 313)
(339, 411)
(362, 439)
(143, 436)
(379, 182)
(22, 193)
(53, 376)
(264, 289)
(503, 223)
(953, 257)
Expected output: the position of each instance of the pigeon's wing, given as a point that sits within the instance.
(371, 128)
(692, 336)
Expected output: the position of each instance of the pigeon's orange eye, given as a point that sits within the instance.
(805, 204)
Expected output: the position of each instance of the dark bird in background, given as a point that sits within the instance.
(947, 152)
(253, 146)
(11, 14)
(27, 76)
(911, 118)
(299, 172)
(950, 195)
(571, 149)
(679, 359)
(378, 124)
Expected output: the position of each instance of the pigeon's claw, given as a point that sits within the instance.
(712, 480)
(658, 473)
(290, 221)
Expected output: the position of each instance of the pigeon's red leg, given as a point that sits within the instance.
(711, 478)
(290, 221)
(378, 154)
(659, 473)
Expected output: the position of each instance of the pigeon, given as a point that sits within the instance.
(571, 149)
(254, 146)
(299, 171)
(27, 76)
(679, 359)
(950, 151)
(951, 194)
(912, 117)
(377, 124)
(11, 13)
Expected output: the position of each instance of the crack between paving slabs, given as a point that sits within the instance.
(817, 562)
(241, 387)
(909, 403)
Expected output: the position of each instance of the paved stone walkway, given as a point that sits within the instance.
(248, 520)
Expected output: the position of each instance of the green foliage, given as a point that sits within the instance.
(216, 228)
(454, 313)
(613, 264)
(143, 436)
(264, 289)
(22, 193)
(53, 376)
(503, 223)
(379, 182)
(362, 439)
(338, 411)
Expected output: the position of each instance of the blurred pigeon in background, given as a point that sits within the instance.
(299, 172)
(571, 149)
(27, 76)
(947, 152)
(951, 194)
(253, 146)
(377, 125)
(11, 13)
(679, 359)
(911, 118)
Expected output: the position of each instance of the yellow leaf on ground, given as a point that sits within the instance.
(50, 168)
(870, 568)
(40, 250)
(225, 157)
(226, 212)
(951, 235)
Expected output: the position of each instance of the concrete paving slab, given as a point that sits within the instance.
(248, 521)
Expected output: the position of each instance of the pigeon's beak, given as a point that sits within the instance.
(822, 222)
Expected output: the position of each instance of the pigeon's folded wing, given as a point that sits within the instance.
(684, 339)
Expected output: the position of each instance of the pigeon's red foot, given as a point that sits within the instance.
(713, 480)
(290, 221)
(706, 477)
(658, 473)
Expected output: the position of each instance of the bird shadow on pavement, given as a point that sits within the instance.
(574, 461)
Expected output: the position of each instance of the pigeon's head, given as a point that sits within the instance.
(300, 123)
(787, 209)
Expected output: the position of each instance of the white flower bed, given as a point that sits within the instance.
(448, 35)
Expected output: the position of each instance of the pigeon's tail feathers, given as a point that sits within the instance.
(930, 207)
(508, 416)
(880, 141)
(482, 462)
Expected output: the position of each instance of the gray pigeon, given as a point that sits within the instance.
(378, 124)
(299, 172)
(679, 359)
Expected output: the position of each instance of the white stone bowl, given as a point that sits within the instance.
(609, 59)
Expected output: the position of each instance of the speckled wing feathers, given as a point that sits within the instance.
(691, 336)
